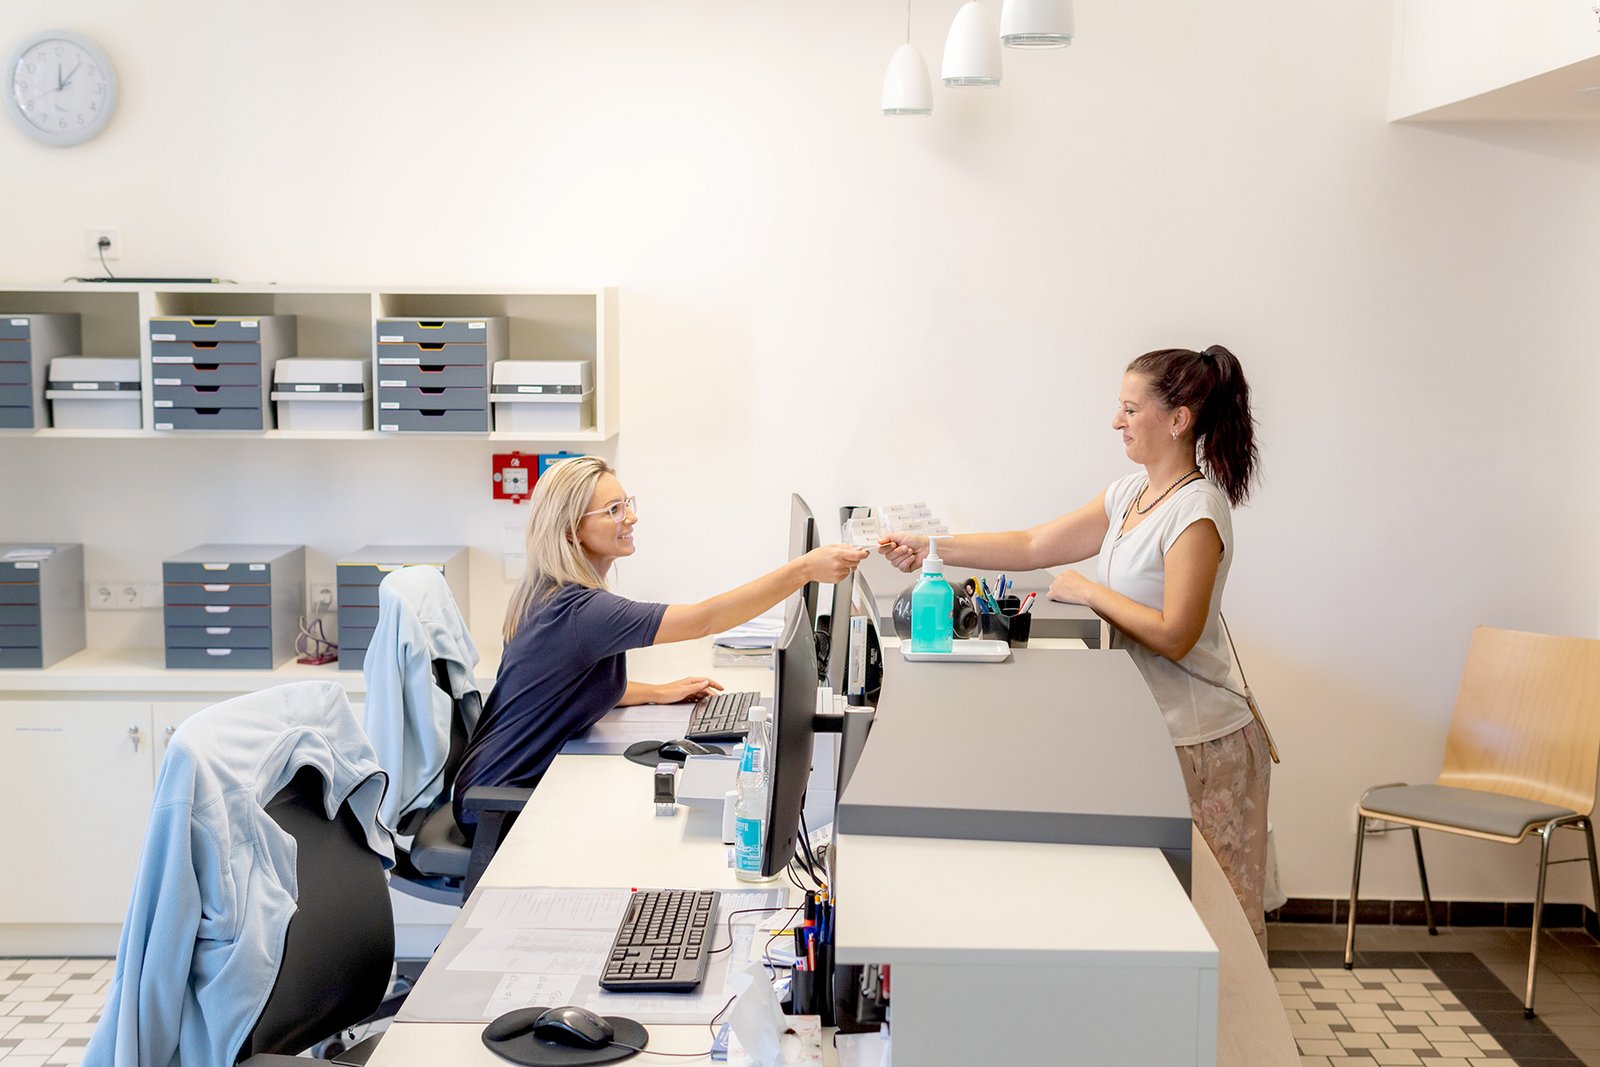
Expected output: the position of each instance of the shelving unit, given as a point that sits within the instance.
(337, 323)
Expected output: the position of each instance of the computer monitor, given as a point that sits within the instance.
(794, 706)
(802, 539)
(836, 667)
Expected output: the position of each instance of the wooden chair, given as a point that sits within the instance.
(1520, 758)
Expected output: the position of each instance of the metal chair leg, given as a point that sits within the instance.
(1594, 867)
(1355, 886)
(1538, 913)
(1422, 873)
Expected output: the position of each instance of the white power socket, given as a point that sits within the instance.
(322, 598)
(123, 595)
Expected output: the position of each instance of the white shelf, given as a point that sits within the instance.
(582, 437)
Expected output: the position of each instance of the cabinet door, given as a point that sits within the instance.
(166, 717)
(78, 792)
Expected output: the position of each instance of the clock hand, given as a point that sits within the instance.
(59, 83)
(68, 79)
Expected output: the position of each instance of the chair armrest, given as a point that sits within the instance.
(495, 798)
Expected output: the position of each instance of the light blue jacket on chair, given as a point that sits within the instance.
(216, 885)
(408, 716)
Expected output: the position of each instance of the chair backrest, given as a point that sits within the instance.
(339, 949)
(1527, 719)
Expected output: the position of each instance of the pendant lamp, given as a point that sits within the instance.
(1036, 23)
(972, 51)
(906, 88)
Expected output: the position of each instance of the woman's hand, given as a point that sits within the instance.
(831, 563)
(1070, 587)
(684, 690)
(905, 550)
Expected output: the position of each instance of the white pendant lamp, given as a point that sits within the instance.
(906, 87)
(1036, 23)
(972, 51)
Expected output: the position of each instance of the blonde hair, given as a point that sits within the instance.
(554, 557)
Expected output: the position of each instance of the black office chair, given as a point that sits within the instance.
(440, 865)
(339, 948)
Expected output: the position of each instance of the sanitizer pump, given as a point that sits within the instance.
(932, 629)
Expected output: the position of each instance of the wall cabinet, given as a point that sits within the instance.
(334, 323)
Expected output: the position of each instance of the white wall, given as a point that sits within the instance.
(817, 298)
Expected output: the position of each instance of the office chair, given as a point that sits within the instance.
(1520, 758)
(422, 705)
(259, 919)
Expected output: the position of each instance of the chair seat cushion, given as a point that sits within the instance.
(439, 847)
(1466, 809)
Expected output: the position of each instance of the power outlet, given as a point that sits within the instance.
(322, 598)
(123, 595)
(112, 250)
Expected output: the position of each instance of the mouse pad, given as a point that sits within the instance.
(648, 753)
(525, 1048)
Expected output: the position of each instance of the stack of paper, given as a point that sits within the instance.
(748, 644)
(26, 553)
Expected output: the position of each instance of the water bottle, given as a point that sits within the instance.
(932, 600)
(750, 805)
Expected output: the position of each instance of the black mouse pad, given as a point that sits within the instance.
(525, 1048)
(648, 753)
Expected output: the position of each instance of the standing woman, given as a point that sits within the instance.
(1164, 538)
(566, 634)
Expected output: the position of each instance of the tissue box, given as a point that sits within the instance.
(323, 394)
(94, 394)
(543, 395)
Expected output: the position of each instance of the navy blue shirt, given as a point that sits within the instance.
(560, 673)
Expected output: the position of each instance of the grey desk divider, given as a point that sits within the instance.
(41, 604)
(1079, 754)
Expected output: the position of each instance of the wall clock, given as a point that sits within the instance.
(60, 88)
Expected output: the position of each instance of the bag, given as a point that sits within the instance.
(1249, 697)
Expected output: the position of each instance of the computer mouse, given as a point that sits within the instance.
(573, 1026)
(680, 750)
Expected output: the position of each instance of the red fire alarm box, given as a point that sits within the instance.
(514, 476)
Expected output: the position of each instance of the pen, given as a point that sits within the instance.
(1027, 604)
(1002, 585)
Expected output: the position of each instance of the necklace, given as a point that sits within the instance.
(1146, 510)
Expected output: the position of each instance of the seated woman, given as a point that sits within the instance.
(565, 633)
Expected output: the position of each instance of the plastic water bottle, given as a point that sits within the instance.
(932, 629)
(750, 806)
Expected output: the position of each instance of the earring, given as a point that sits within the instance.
(1174, 435)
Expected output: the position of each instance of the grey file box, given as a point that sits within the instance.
(433, 374)
(27, 345)
(41, 604)
(233, 606)
(359, 575)
(216, 373)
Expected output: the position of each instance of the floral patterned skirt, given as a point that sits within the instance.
(1228, 780)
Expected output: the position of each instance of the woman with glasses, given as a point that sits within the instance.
(1164, 540)
(565, 633)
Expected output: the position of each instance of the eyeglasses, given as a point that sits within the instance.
(618, 511)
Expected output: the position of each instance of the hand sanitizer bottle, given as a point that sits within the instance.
(931, 602)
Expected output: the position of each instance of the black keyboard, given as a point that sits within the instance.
(721, 717)
(663, 942)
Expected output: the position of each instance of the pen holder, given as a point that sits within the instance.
(811, 993)
(1012, 629)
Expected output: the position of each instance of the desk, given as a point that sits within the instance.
(609, 796)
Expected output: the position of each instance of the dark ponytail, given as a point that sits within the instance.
(1210, 384)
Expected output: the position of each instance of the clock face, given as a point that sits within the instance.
(60, 88)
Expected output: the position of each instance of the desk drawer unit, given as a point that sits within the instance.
(233, 606)
(359, 576)
(216, 373)
(41, 603)
(27, 345)
(433, 374)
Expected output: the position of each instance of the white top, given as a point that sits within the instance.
(1199, 695)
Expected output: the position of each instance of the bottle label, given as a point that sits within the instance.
(747, 845)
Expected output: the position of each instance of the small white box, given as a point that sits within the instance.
(544, 396)
(86, 393)
(323, 394)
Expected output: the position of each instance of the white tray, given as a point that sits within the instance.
(960, 652)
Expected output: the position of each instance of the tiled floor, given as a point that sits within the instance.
(48, 1008)
(1308, 961)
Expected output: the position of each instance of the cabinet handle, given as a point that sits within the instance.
(134, 736)
(167, 734)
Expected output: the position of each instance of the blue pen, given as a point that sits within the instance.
(1002, 585)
